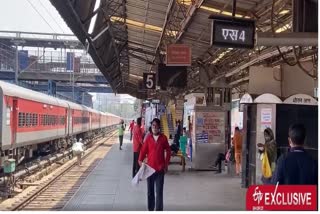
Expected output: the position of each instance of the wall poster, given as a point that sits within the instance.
(210, 127)
(266, 118)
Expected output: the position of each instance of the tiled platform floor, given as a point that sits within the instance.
(108, 187)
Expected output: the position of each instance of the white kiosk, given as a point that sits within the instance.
(268, 110)
(257, 116)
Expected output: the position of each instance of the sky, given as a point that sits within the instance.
(19, 15)
(23, 15)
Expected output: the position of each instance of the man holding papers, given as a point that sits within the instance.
(157, 150)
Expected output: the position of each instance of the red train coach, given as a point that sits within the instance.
(33, 122)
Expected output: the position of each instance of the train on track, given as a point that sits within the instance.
(33, 122)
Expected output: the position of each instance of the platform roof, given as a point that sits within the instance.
(130, 36)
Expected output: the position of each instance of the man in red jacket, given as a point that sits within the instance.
(131, 128)
(137, 144)
(157, 148)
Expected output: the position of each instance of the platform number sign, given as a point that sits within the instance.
(149, 80)
(231, 32)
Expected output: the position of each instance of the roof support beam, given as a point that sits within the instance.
(260, 57)
(287, 39)
(192, 10)
(140, 58)
(169, 9)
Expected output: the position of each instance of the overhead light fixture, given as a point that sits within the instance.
(210, 9)
(140, 24)
(283, 12)
(215, 10)
(284, 28)
(94, 18)
(136, 76)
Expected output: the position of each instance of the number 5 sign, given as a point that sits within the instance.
(149, 80)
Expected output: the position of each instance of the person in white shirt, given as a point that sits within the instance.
(78, 150)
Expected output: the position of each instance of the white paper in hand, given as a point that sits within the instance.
(144, 172)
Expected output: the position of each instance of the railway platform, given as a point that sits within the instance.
(108, 188)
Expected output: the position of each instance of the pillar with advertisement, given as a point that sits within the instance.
(210, 122)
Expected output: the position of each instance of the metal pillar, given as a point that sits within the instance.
(17, 66)
(234, 6)
(287, 39)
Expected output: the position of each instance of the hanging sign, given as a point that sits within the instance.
(231, 32)
(178, 55)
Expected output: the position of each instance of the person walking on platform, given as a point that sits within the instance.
(157, 149)
(183, 142)
(143, 131)
(269, 148)
(177, 134)
(296, 167)
(137, 144)
(121, 129)
(237, 141)
(131, 125)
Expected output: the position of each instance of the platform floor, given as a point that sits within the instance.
(108, 187)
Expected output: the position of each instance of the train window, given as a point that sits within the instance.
(28, 119)
(33, 119)
(46, 120)
(21, 119)
(42, 119)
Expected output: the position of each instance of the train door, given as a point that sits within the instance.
(71, 121)
(14, 119)
(66, 122)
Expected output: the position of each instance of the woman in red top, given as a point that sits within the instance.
(137, 144)
(157, 148)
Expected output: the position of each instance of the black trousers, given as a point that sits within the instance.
(157, 179)
(135, 167)
(120, 140)
(220, 158)
(131, 135)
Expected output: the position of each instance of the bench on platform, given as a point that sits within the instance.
(182, 161)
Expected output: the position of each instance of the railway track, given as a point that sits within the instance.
(62, 184)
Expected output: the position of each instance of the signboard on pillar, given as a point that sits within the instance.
(231, 32)
(178, 55)
(149, 80)
(266, 118)
(301, 99)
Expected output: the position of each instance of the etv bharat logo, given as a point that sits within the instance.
(257, 196)
(282, 197)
